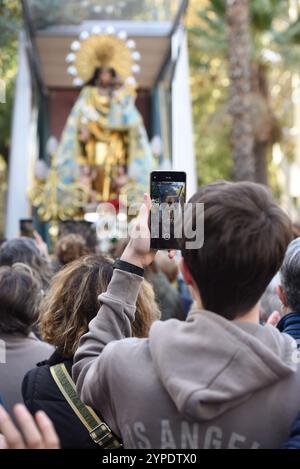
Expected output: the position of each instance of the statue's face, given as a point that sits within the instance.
(105, 78)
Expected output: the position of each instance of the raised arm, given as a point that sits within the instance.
(98, 349)
(112, 323)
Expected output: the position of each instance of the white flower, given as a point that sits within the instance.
(70, 58)
(96, 30)
(136, 68)
(131, 44)
(122, 35)
(75, 46)
(72, 70)
(131, 81)
(77, 82)
(84, 35)
(110, 30)
(51, 145)
(136, 55)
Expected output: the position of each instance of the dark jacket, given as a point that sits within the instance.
(294, 440)
(167, 297)
(40, 392)
(290, 324)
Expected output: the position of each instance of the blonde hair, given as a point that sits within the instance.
(72, 302)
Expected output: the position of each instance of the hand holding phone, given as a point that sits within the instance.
(138, 251)
(27, 228)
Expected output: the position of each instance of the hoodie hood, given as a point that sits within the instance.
(209, 364)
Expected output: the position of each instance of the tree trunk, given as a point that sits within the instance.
(266, 127)
(261, 162)
(237, 19)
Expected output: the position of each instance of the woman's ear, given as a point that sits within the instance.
(186, 273)
(281, 295)
(190, 282)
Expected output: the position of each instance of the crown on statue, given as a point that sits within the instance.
(109, 49)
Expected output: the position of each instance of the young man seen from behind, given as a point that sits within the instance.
(219, 379)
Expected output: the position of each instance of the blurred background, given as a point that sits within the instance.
(244, 81)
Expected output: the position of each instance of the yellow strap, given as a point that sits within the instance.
(67, 397)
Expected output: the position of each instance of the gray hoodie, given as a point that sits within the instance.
(203, 383)
(22, 353)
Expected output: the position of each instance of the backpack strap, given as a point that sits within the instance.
(100, 433)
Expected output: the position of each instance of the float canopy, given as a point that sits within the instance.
(52, 25)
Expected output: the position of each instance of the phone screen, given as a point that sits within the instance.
(168, 194)
(27, 228)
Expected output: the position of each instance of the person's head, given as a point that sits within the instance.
(83, 228)
(70, 247)
(289, 289)
(25, 251)
(166, 265)
(245, 238)
(72, 302)
(20, 295)
(103, 77)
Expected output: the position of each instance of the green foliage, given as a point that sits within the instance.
(60, 12)
(10, 20)
(218, 7)
(290, 35)
(271, 32)
(209, 85)
(263, 13)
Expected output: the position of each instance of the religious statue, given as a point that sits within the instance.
(104, 144)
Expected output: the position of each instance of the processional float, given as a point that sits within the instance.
(105, 80)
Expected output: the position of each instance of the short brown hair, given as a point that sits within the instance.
(70, 247)
(245, 238)
(72, 302)
(20, 295)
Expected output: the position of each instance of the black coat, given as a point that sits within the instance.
(294, 439)
(290, 324)
(40, 392)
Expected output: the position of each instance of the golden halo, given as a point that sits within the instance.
(103, 51)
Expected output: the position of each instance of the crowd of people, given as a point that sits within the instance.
(156, 350)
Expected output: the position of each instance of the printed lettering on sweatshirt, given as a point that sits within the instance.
(185, 436)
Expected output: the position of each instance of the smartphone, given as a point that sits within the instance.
(27, 228)
(168, 195)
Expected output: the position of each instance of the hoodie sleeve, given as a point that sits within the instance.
(113, 322)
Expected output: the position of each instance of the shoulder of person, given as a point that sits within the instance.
(36, 341)
(38, 384)
(34, 376)
(116, 353)
(42, 350)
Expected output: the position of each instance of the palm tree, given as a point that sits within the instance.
(218, 35)
(239, 59)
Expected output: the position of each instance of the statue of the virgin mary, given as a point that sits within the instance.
(104, 144)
